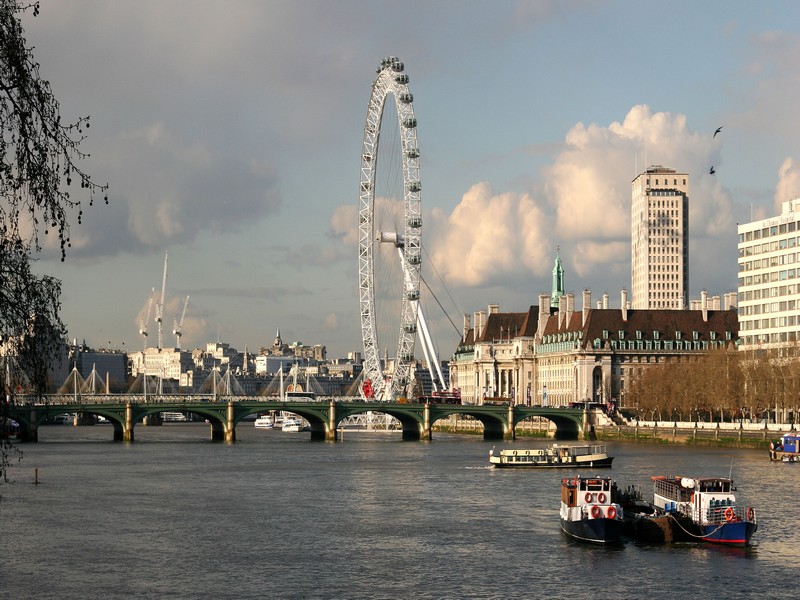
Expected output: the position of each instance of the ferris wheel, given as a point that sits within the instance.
(401, 233)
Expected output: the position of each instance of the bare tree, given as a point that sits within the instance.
(39, 164)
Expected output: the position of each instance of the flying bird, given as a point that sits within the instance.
(711, 171)
(719, 129)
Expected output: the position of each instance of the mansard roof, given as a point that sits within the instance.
(651, 323)
(501, 326)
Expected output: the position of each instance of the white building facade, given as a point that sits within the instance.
(769, 280)
(660, 239)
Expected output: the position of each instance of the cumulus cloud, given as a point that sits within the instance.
(788, 187)
(487, 236)
(582, 203)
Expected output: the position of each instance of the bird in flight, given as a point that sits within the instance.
(719, 129)
(711, 171)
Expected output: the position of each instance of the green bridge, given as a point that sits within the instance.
(324, 416)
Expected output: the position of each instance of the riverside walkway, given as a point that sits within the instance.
(224, 413)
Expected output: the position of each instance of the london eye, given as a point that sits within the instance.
(389, 252)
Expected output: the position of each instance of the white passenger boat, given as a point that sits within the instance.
(265, 422)
(293, 424)
(556, 456)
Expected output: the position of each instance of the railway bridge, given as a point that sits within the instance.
(224, 413)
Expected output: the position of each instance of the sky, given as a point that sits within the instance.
(230, 135)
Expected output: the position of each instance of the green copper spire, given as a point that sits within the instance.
(558, 281)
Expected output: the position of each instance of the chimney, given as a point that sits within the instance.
(482, 315)
(605, 300)
(493, 309)
(562, 309)
(704, 305)
(544, 314)
(587, 305)
(477, 325)
(570, 308)
(466, 327)
(624, 303)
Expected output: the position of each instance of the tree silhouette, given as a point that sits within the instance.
(39, 164)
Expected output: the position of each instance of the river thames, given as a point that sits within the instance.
(278, 516)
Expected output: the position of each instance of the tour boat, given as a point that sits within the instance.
(556, 456)
(293, 424)
(588, 512)
(265, 422)
(705, 509)
(786, 449)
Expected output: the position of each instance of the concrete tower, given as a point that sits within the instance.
(660, 239)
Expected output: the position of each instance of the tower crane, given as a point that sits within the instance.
(143, 323)
(160, 306)
(178, 324)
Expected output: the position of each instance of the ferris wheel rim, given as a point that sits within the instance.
(392, 80)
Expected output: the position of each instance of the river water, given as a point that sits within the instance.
(278, 516)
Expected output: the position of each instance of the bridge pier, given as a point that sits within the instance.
(510, 433)
(127, 431)
(426, 433)
(331, 434)
(230, 428)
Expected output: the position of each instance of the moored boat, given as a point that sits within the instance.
(786, 449)
(294, 425)
(265, 422)
(588, 512)
(703, 509)
(555, 456)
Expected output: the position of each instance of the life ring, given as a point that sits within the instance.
(612, 512)
(750, 514)
(601, 498)
(729, 513)
(596, 512)
(588, 497)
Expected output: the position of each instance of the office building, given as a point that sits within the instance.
(660, 239)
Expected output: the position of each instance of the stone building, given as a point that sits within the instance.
(555, 356)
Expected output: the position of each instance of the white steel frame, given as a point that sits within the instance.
(391, 80)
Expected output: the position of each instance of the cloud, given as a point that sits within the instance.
(487, 236)
(788, 187)
(582, 204)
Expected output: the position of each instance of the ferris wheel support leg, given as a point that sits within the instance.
(427, 345)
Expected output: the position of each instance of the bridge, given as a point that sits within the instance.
(224, 413)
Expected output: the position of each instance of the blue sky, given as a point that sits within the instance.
(230, 134)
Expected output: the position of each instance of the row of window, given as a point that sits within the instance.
(772, 322)
(772, 292)
(772, 261)
(772, 338)
(767, 308)
(660, 345)
(666, 182)
(769, 277)
(773, 246)
(765, 232)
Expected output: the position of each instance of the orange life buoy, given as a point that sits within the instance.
(601, 498)
(596, 512)
(750, 514)
(729, 514)
(588, 497)
(612, 512)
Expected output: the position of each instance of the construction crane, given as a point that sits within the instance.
(160, 306)
(143, 323)
(178, 324)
